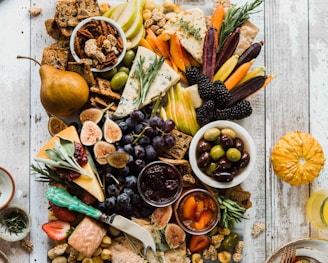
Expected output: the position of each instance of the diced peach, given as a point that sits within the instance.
(188, 210)
(145, 43)
(204, 220)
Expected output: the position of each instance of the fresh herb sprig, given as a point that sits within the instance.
(62, 156)
(146, 76)
(230, 211)
(14, 223)
(235, 17)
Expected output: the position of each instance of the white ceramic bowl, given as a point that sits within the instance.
(113, 24)
(13, 237)
(7, 188)
(248, 146)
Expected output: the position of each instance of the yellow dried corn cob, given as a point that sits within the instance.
(253, 73)
(226, 69)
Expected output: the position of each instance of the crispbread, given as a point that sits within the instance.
(66, 13)
(87, 8)
(103, 88)
(53, 30)
(84, 70)
(182, 143)
(239, 195)
(56, 57)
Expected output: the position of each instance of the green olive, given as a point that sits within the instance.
(216, 152)
(128, 58)
(118, 80)
(233, 154)
(124, 69)
(230, 132)
(109, 74)
(212, 134)
(211, 168)
(231, 240)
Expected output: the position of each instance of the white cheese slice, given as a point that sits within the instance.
(165, 79)
(190, 26)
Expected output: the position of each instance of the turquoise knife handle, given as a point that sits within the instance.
(60, 197)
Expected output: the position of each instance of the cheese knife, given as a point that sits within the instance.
(60, 197)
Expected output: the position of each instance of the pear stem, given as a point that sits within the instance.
(37, 62)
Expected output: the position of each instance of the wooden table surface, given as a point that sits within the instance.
(295, 48)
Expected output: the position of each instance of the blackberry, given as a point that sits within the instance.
(222, 114)
(240, 110)
(222, 95)
(192, 75)
(206, 112)
(205, 87)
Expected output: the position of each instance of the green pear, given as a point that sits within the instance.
(128, 16)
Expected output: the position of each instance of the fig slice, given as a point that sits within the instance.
(91, 114)
(118, 159)
(174, 235)
(112, 132)
(101, 150)
(161, 216)
(90, 133)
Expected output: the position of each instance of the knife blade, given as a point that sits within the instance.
(60, 197)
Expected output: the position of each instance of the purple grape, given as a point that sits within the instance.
(137, 115)
(156, 122)
(169, 140)
(151, 153)
(168, 125)
(158, 143)
(139, 152)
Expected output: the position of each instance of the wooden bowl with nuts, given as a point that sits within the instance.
(99, 42)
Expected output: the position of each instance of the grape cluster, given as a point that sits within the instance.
(144, 138)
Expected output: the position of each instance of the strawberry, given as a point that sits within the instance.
(88, 198)
(57, 230)
(63, 213)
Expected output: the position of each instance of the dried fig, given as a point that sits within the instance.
(174, 235)
(112, 132)
(101, 150)
(161, 216)
(118, 159)
(91, 114)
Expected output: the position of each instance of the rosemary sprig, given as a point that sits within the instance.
(230, 211)
(146, 76)
(62, 156)
(235, 17)
(14, 223)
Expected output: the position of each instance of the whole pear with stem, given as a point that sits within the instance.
(62, 92)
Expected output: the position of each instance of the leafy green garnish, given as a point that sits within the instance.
(235, 17)
(230, 211)
(146, 76)
(62, 156)
(14, 223)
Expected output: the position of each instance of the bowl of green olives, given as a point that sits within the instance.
(222, 154)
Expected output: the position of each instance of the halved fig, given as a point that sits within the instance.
(174, 235)
(90, 133)
(118, 159)
(91, 114)
(101, 150)
(112, 132)
(161, 216)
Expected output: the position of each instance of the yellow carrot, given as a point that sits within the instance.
(253, 73)
(237, 76)
(267, 80)
(226, 69)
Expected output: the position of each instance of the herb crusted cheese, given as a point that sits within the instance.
(190, 26)
(165, 79)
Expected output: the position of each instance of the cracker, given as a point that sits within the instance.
(87, 8)
(53, 30)
(66, 13)
(103, 88)
(60, 44)
(239, 195)
(56, 57)
(102, 102)
(182, 143)
(84, 70)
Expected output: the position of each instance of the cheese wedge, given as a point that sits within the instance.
(190, 25)
(91, 185)
(165, 79)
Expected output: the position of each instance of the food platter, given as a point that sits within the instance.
(306, 247)
(125, 114)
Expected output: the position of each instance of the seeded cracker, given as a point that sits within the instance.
(84, 70)
(179, 150)
(87, 8)
(103, 88)
(66, 13)
(56, 57)
(53, 30)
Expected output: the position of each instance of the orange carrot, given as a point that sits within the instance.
(145, 44)
(218, 17)
(267, 80)
(237, 76)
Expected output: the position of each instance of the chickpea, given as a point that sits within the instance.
(106, 254)
(80, 257)
(165, 35)
(60, 259)
(97, 259)
(106, 241)
(169, 4)
(146, 14)
(196, 258)
(51, 253)
(177, 8)
(97, 252)
(87, 260)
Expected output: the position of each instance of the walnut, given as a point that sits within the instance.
(148, 23)
(161, 22)
(35, 11)
(91, 50)
(27, 244)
